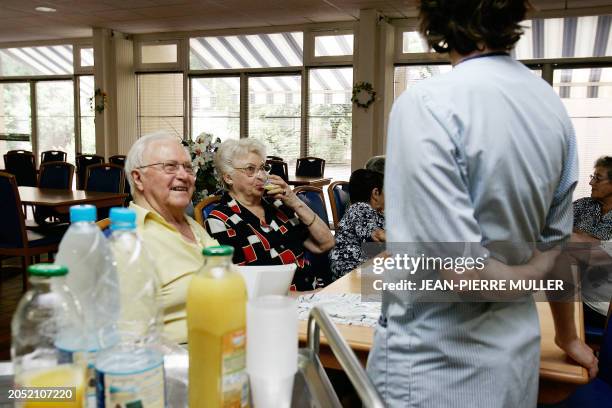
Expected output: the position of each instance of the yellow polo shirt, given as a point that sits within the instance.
(176, 260)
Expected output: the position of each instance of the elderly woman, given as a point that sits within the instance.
(259, 215)
(162, 182)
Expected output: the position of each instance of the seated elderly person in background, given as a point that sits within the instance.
(376, 163)
(266, 226)
(593, 223)
(162, 182)
(362, 222)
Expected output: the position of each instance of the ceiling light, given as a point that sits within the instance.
(45, 9)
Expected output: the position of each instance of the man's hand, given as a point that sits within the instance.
(581, 353)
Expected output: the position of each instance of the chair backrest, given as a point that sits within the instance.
(56, 175)
(20, 163)
(53, 156)
(118, 159)
(106, 177)
(310, 167)
(82, 162)
(313, 197)
(204, 208)
(104, 225)
(279, 168)
(274, 158)
(339, 198)
(13, 231)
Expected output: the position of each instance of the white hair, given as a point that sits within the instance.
(136, 154)
(231, 150)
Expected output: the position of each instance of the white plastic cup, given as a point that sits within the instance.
(272, 349)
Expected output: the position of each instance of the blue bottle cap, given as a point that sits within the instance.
(122, 218)
(83, 213)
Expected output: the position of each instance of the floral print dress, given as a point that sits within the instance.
(355, 228)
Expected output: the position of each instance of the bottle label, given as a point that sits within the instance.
(234, 385)
(138, 389)
(86, 359)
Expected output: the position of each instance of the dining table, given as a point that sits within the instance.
(559, 375)
(297, 181)
(62, 200)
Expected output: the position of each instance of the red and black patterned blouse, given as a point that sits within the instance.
(278, 241)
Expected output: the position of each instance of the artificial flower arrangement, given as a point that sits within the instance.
(202, 151)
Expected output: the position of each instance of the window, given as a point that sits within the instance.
(330, 119)
(587, 96)
(55, 116)
(15, 117)
(160, 103)
(27, 61)
(87, 114)
(411, 74)
(86, 57)
(215, 107)
(333, 45)
(246, 51)
(413, 42)
(565, 37)
(158, 53)
(275, 113)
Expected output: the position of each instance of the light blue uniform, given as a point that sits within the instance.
(484, 153)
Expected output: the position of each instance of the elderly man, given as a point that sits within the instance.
(162, 182)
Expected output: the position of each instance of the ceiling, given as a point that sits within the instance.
(19, 21)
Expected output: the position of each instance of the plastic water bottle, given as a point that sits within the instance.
(47, 347)
(131, 372)
(92, 278)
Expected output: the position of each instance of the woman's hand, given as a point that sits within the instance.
(378, 235)
(280, 190)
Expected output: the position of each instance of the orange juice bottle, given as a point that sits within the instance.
(63, 375)
(216, 322)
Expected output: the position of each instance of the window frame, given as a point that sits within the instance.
(309, 51)
(77, 44)
(179, 65)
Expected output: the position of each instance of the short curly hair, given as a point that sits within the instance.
(606, 163)
(468, 25)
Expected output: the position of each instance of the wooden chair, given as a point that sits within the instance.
(58, 175)
(53, 156)
(118, 159)
(310, 167)
(598, 390)
(339, 199)
(274, 158)
(313, 197)
(279, 168)
(21, 164)
(204, 207)
(15, 239)
(82, 162)
(106, 177)
(104, 225)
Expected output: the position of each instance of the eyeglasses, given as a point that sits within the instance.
(252, 170)
(596, 179)
(172, 167)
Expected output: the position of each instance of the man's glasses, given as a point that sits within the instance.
(252, 170)
(596, 179)
(172, 167)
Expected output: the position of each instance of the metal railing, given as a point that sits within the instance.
(319, 320)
